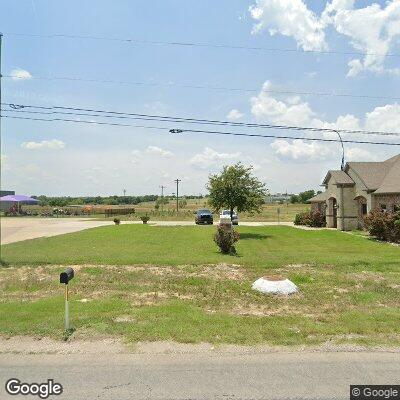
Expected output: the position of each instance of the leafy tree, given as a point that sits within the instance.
(305, 196)
(302, 197)
(162, 200)
(182, 203)
(236, 187)
(294, 198)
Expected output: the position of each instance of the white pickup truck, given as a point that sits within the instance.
(226, 214)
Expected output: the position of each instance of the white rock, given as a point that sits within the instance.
(285, 286)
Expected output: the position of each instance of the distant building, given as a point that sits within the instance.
(278, 198)
(6, 192)
(361, 187)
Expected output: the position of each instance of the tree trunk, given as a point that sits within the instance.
(231, 213)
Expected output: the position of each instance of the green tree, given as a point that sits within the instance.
(236, 187)
(305, 196)
(294, 198)
(182, 203)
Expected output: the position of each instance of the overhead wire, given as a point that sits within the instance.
(194, 44)
(203, 131)
(173, 119)
(203, 87)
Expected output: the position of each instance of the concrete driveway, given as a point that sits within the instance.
(21, 228)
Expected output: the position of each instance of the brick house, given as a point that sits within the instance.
(361, 187)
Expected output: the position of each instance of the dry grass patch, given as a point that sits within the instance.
(160, 302)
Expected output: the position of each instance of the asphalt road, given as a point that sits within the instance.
(202, 376)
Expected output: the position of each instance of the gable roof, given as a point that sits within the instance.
(319, 198)
(391, 183)
(381, 177)
(339, 176)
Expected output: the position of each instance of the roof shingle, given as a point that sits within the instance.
(381, 177)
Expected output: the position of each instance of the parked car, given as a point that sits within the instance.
(203, 216)
(227, 213)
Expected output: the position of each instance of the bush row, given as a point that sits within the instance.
(314, 219)
(384, 225)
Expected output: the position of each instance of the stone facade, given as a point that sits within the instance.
(350, 194)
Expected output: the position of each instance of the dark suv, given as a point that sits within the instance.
(203, 216)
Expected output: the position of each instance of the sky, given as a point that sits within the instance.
(337, 46)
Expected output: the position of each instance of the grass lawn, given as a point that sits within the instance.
(171, 283)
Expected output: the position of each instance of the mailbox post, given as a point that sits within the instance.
(65, 277)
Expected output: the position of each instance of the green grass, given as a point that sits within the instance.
(171, 283)
(259, 248)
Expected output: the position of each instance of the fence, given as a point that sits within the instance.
(110, 212)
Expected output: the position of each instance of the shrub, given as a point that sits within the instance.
(117, 221)
(225, 239)
(315, 219)
(384, 225)
(145, 218)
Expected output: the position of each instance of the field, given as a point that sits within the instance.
(269, 212)
(171, 283)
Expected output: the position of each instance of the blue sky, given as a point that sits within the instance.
(56, 158)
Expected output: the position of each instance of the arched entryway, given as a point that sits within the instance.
(331, 216)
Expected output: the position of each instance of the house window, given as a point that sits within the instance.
(383, 207)
(364, 209)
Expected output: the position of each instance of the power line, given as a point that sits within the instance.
(193, 44)
(170, 119)
(200, 122)
(84, 122)
(205, 87)
(281, 137)
(203, 131)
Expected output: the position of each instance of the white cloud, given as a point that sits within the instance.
(265, 107)
(358, 154)
(158, 151)
(53, 144)
(292, 111)
(234, 115)
(210, 158)
(19, 74)
(386, 118)
(303, 151)
(270, 110)
(300, 150)
(373, 29)
(289, 18)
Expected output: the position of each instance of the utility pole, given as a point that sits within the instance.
(177, 194)
(162, 197)
(124, 192)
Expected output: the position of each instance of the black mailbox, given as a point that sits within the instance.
(67, 275)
